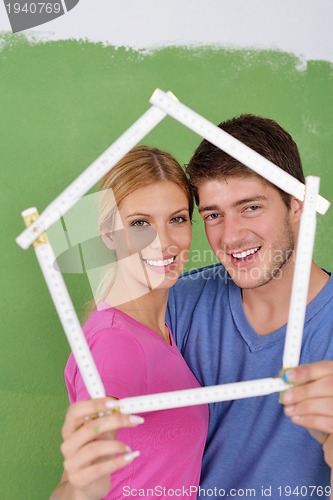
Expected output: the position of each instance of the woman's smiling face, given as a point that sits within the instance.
(153, 234)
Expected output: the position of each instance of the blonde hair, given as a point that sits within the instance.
(142, 166)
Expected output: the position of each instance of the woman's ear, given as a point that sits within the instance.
(108, 240)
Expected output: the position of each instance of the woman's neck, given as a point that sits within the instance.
(149, 308)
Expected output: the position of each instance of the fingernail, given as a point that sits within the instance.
(287, 397)
(319, 435)
(112, 404)
(289, 410)
(131, 456)
(135, 419)
(281, 396)
(289, 376)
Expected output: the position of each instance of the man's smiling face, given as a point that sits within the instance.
(249, 227)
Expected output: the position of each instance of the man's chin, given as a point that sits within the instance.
(248, 282)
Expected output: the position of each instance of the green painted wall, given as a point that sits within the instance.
(61, 105)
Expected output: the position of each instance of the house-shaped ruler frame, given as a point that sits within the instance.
(167, 104)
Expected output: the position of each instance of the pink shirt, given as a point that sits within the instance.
(134, 360)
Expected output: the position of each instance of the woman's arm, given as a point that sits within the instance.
(91, 452)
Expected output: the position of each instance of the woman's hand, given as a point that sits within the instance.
(91, 452)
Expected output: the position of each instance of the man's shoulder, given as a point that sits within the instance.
(322, 303)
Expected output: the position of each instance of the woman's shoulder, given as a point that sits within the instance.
(115, 350)
(109, 323)
(100, 319)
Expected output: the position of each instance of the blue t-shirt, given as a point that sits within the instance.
(253, 449)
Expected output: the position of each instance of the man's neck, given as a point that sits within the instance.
(267, 307)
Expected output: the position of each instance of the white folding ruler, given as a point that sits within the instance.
(312, 202)
(233, 147)
(65, 310)
(93, 174)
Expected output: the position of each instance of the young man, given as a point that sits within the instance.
(230, 322)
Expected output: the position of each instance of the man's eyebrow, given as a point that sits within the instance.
(208, 208)
(252, 199)
(249, 200)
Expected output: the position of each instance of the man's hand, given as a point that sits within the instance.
(310, 403)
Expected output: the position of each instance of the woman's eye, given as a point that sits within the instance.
(139, 223)
(179, 219)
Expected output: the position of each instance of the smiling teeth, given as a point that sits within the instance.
(160, 263)
(246, 253)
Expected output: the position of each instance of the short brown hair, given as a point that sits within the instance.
(263, 135)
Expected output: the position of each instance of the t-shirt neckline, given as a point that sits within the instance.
(257, 342)
(102, 306)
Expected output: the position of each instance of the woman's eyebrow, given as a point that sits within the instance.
(136, 214)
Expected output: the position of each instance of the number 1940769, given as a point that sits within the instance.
(34, 7)
(304, 491)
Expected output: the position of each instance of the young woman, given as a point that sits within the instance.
(145, 218)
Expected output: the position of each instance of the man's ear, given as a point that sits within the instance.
(296, 208)
(108, 240)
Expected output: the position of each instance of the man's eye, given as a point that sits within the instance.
(212, 216)
(251, 208)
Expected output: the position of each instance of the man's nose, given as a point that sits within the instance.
(233, 232)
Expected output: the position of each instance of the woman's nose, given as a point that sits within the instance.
(162, 240)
